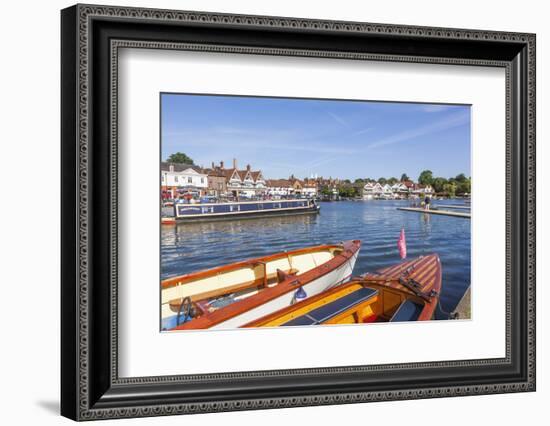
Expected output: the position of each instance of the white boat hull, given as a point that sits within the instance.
(332, 279)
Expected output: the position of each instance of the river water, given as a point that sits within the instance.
(191, 247)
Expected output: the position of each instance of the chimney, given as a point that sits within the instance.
(234, 163)
(213, 165)
(248, 167)
(221, 164)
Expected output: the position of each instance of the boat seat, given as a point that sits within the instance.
(407, 311)
(330, 310)
(281, 275)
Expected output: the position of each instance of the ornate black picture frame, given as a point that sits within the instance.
(91, 37)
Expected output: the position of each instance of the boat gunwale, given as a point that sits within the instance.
(428, 307)
(245, 202)
(210, 319)
(310, 208)
(252, 262)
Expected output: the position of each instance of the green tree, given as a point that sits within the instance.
(426, 177)
(392, 180)
(404, 177)
(464, 187)
(438, 184)
(461, 178)
(359, 181)
(325, 190)
(450, 189)
(347, 191)
(382, 181)
(180, 158)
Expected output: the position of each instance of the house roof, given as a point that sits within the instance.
(256, 174)
(243, 173)
(229, 173)
(178, 167)
(278, 183)
(214, 172)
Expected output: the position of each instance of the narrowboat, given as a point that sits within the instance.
(184, 212)
(408, 291)
(233, 295)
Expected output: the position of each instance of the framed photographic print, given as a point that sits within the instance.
(263, 212)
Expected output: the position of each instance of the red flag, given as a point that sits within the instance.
(402, 244)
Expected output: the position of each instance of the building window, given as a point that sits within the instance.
(189, 180)
(202, 180)
(176, 178)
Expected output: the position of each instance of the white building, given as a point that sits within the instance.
(423, 189)
(279, 188)
(372, 190)
(247, 182)
(177, 178)
(309, 190)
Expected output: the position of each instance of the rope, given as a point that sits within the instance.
(451, 315)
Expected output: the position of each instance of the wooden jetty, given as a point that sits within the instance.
(450, 206)
(464, 309)
(433, 211)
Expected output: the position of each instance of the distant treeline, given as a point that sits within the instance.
(458, 185)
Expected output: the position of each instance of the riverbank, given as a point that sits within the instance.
(464, 308)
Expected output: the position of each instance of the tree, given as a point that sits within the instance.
(180, 158)
(450, 189)
(382, 181)
(347, 191)
(461, 178)
(464, 187)
(359, 181)
(404, 177)
(392, 181)
(325, 190)
(438, 184)
(426, 177)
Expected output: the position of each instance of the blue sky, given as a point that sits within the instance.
(345, 139)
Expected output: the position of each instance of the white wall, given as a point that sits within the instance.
(182, 179)
(29, 236)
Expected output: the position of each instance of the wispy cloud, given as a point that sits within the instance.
(338, 119)
(449, 122)
(249, 139)
(306, 167)
(363, 131)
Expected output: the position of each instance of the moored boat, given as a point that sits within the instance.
(408, 291)
(183, 212)
(233, 295)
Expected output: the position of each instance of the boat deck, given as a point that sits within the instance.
(330, 310)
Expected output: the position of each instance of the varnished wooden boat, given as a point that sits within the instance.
(233, 295)
(408, 291)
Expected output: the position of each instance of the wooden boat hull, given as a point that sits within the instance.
(319, 285)
(268, 299)
(408, 291)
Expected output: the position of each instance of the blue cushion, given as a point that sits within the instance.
(330, 310)
(407, 311)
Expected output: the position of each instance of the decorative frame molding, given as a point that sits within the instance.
(91, 37)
